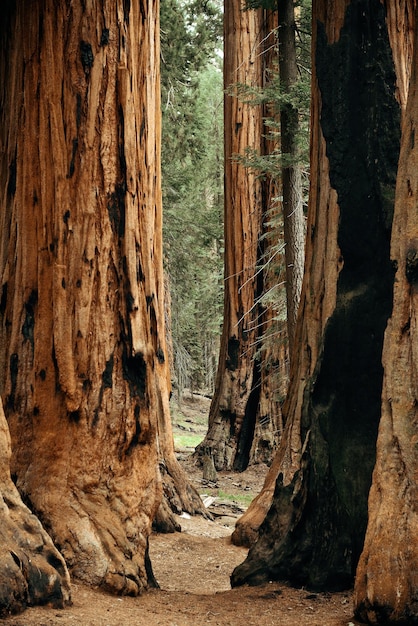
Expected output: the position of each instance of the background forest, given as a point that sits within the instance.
(316, 375)
(193, 175)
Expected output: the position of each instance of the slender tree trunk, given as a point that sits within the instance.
(271, 332)
(314, 531)
(386, 589)
(234, 414)
(84, 362)
(293, 218)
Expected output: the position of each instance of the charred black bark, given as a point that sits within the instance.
(246, 435)
(314, 532)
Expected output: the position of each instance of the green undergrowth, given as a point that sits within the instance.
(240, 498)
(186, 441)
(189, 420)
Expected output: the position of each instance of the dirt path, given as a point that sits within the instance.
(193, 569)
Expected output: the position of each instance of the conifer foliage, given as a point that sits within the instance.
(192, 162)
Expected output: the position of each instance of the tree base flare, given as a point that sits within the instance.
(32, 571)
(104, 540)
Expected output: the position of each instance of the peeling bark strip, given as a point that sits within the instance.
(82, 366)
(313, 534)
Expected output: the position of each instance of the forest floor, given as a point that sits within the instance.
(193, 567)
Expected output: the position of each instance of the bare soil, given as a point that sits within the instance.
(193, 568)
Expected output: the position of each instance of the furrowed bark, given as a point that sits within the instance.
(84, 372)
(32, 571)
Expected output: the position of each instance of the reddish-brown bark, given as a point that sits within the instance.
(83, 365)
(32, 571)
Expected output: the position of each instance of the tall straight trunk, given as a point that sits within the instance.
(234, 416)
(271, 332)
(293, 218)
(84, 361)
(386, 589)
(314, 531)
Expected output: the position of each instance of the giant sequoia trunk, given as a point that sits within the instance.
(83, 355)
(235, 410)
(314, 531)
(386, 589)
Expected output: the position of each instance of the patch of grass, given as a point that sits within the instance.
(243, 498)
(186, 440)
